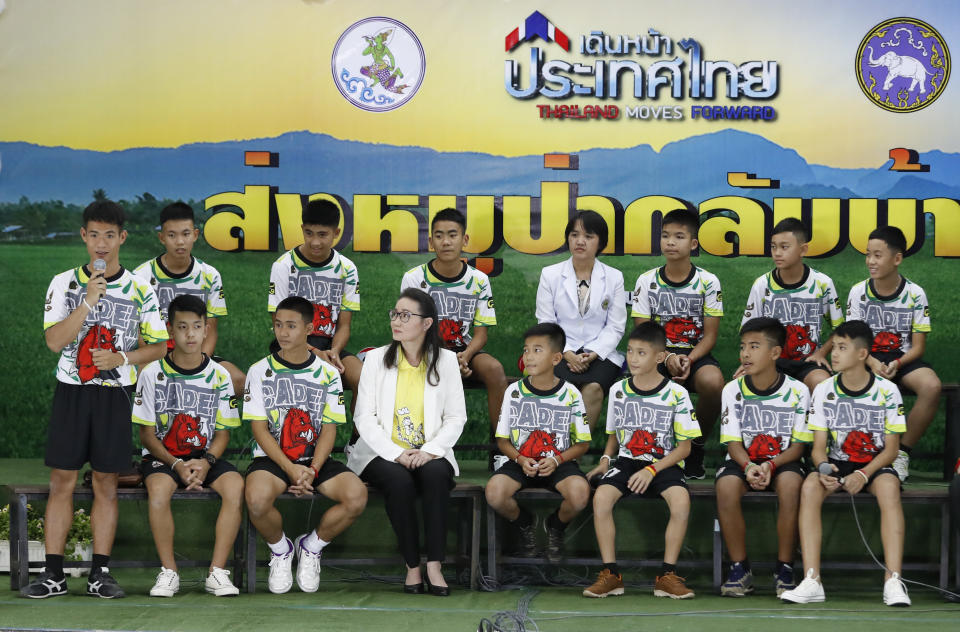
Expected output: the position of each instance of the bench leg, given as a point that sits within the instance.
(251, 533)
(238, 557)
(717, 555)
(944, 545)
(19, 557)
(475, 543)
(493, 566)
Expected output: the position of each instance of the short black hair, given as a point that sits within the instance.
(684, 217)
(106, 211)
(771, 328)
(449, 215)
(298, 304)
(553, 331)
(792, 225)
(321, 213)
(175, 211)
(593, 224)
(186, 303)
(892, 236)
(651, 333)
(857, 331)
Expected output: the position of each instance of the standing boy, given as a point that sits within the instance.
(799, 297)
(177, 272)
(463, 298)
(185, 408)
(687, 301)
(650, 424)
(541, 433)
(294, 402)
(92, 317)
(329, 281)
(764, 425)
(860, 416)
(897, 311)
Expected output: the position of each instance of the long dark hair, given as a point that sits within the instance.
(430, 350)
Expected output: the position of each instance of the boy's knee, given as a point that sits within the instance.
(578, 496)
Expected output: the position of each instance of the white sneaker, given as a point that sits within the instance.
(308, 567)
(902, 465)
(894, 592)
(168, 583)
(218, 582)
(810, 590)
(281, 575)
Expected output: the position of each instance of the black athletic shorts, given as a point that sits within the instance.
(149, 466)
(889, 356)
(602, 372)
(321, 343)
(707, 360)
(730, 468)
(563, 471)
(622, 469)
(328, 470)
(798, 369)
(847, 468)
(90, 423)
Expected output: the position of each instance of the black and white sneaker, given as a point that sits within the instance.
(46, 585)
(102, 584)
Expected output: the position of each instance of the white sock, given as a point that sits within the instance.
(313, 543)
(281, 546)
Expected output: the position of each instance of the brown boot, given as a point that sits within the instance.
(607, 584)
(671, 585)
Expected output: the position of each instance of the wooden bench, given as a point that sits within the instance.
(20, 495)
(467, 495)
(703, 492)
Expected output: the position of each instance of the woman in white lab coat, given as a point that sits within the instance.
(586, 298)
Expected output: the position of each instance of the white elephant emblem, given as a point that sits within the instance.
(901, 66)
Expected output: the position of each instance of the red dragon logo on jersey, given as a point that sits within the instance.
(886, 341)
(682, 330)
(799, 345)
(538, 445)
(323, 324)
(297, 434)
(184, 436)
(452, 334)
(859, 446)
(763, 448)
(97, 337)
(644, 442)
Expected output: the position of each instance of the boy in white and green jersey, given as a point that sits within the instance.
(541, 433)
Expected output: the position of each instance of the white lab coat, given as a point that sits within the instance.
(444, 411)
(601, 329)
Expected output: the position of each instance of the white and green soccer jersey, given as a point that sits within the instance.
(200, 279)
(893, 319)
(766, 422)
(294, 401)
(857, 421)
(680, 307)
(461, 301)
(332, 286)
(540, 423)
(128, 309)
(801, 307)
(185, 407)
(649, 424)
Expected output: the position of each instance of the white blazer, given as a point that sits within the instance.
(444, 411)
(601, 329)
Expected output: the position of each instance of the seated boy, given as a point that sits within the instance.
(687, 301)
(897, 311)
(541, 433)
(764, 425)
(463, 297)
(329, 281)
(177, 272)
(183, 405)
(294, 402)
(860, 415)
(799, 297)
(650, 423)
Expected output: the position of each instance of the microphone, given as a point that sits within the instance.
(826, 469)
(99, 265)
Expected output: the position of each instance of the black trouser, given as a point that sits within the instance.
(400, 487)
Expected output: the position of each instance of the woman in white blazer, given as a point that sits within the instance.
(586, 298)
(410, 412)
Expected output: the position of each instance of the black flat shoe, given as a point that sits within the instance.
(438, 591)
(413, 589)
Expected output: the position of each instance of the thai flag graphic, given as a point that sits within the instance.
(537, 25)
